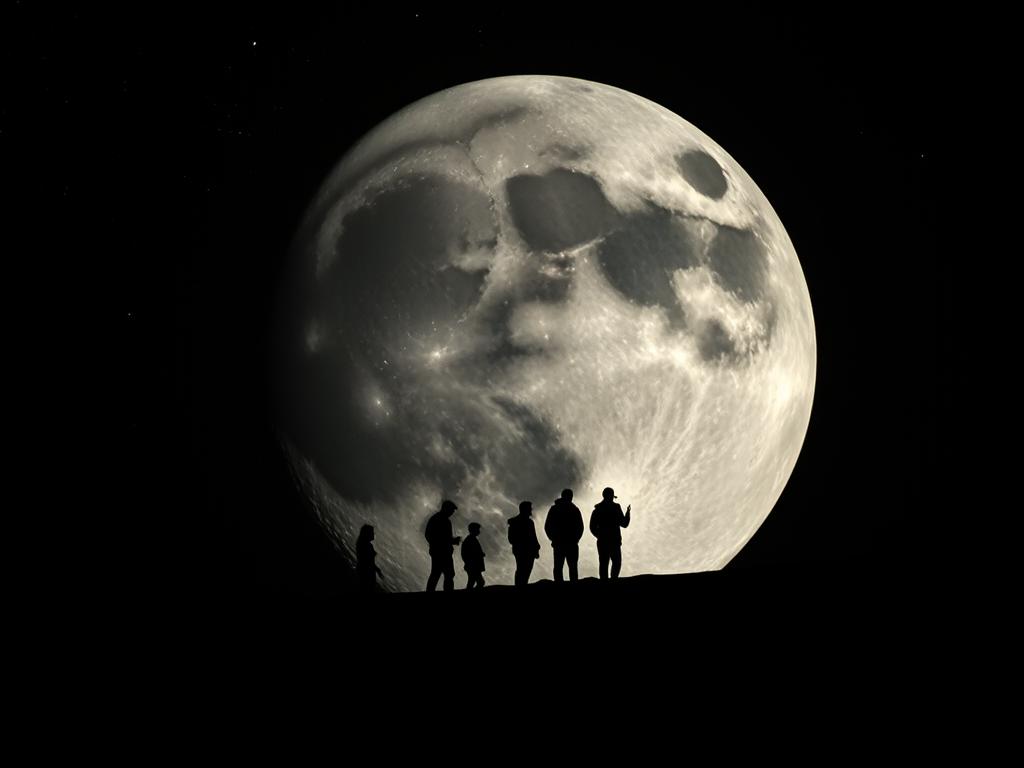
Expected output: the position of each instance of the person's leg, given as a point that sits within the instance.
(435, 574)
(559, 563)
(572, 554)
(616, 555)
(602, 557)
(449, 575)
(480, 580)
(524, 565)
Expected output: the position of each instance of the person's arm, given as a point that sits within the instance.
(625, 518)
(578, 524)
(593, 522)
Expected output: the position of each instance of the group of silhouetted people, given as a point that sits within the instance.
(563, 527)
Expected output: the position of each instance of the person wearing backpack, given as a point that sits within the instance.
(522, 535)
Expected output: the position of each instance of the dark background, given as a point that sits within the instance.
(203, 137)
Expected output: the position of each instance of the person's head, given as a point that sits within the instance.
(567, 494)
(525, 508)
(608, 494)
(448, 507)
(366, 533)
(474, 529)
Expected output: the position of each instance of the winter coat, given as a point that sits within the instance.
(473, 554)
(439, 534)
(564, 523)
(606, 520)
(522, 535)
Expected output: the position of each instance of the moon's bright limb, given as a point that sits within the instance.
(530, 283)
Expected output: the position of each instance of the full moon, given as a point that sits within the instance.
(525, 284)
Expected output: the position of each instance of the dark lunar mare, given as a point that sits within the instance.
(559, 209)
(641, 255)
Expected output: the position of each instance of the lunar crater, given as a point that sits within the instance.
(703, 173)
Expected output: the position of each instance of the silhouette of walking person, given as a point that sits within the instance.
(366, 556)
(473, 557)
(605, 522)
(564, 528)
(522, 535)
(442, 545)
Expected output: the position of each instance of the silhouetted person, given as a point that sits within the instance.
(564, 527)
(473, 557)
(523, 537)
(605, 522)
(442, 543)
(366, 556)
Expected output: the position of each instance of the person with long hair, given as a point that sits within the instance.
(366, 557)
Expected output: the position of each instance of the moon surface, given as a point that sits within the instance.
(525, 284)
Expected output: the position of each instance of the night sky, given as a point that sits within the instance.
(203, 138)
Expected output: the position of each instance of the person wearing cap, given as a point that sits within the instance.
(522, 535)
(564, 528)
(442, 544)
(605, 523)
(473, 557)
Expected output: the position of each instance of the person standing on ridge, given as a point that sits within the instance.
(522, 535)
(473, 557)
(605, 523)
(442, 544)
(366, 560)
(564, 528)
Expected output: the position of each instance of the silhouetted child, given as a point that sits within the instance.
(366, 556)
(473, 556)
